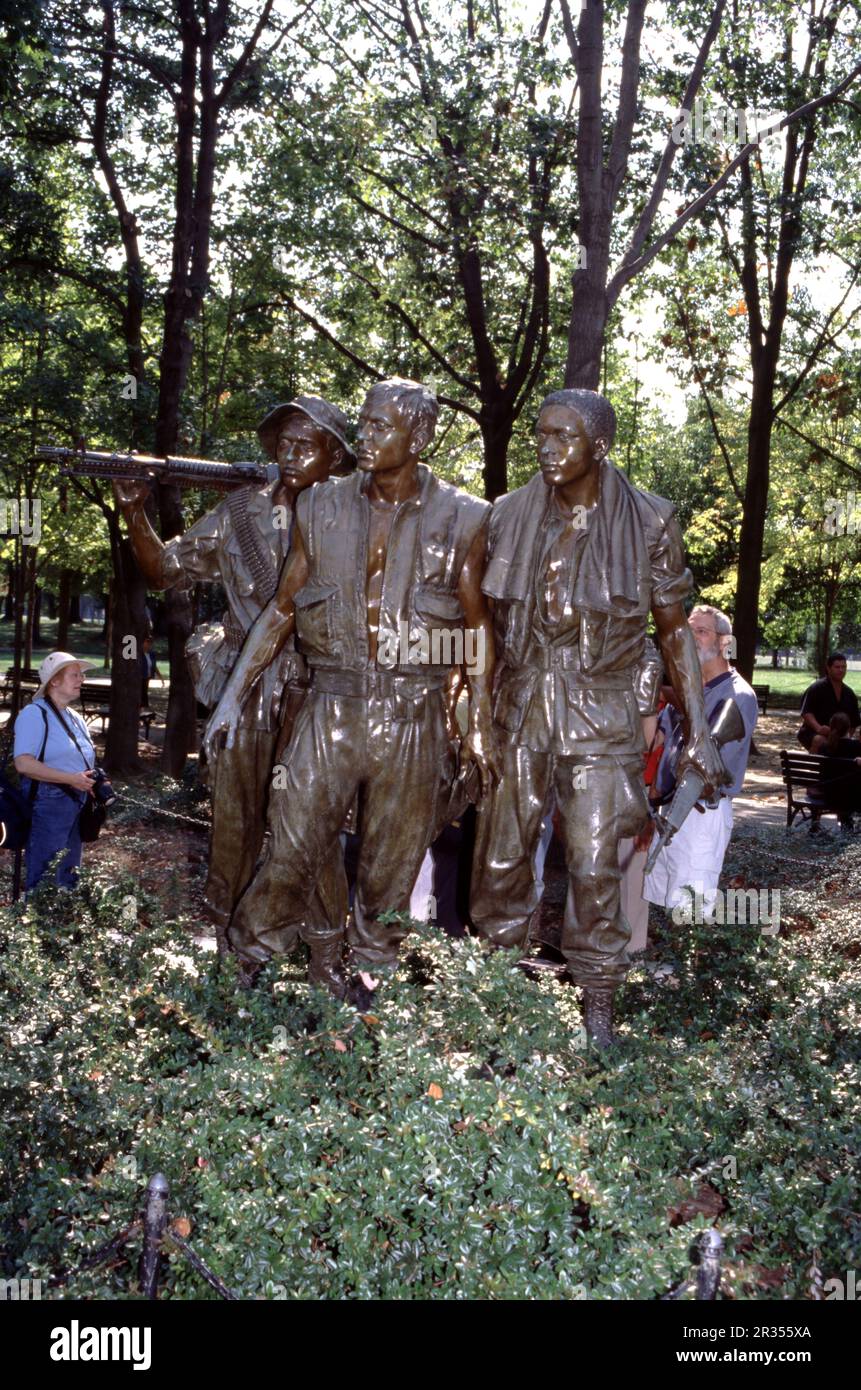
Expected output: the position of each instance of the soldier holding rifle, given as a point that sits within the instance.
(243, 543)
(390, 553)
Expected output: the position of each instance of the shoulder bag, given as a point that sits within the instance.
(16, 809)
(93, 813)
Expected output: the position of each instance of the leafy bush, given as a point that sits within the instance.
(459, 1142)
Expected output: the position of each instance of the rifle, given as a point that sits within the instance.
(187, 472)
(727, 728)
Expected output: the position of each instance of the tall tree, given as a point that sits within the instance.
(140, 80)
(769, 225)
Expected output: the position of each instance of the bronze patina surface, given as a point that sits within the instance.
(577, 560)
(383, 578)
(242, 543)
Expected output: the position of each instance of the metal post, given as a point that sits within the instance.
(708, 1272)
(154, 1223)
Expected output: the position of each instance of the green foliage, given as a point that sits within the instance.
(458, 1143)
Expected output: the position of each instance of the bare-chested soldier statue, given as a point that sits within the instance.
(383, 565)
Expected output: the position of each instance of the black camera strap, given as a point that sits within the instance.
(71, 732)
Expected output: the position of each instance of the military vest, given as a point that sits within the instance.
(421, 617)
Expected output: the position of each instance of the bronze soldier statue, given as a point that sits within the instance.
(576, 561)
(384, 575)
(243, 543)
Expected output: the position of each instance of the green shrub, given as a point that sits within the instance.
(457, 1143)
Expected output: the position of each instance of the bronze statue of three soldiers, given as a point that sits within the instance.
(350, 655)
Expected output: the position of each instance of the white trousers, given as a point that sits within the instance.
(692, 860)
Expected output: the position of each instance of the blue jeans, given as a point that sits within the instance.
(54, 827)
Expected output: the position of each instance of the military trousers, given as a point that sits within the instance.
(601, 800)
(240, 791)
(239, 787)
(395, 754)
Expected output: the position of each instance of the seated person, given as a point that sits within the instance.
(841, 774)
(826, 697)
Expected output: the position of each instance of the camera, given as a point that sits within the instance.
(102, 789)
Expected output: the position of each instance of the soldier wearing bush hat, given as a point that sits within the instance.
(242, 543)
(321, 413)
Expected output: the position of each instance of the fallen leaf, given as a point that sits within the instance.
(181, 1227)
(95, 1075)
(435, 1091)
(339, 1046)
(706, 1202)
(370, 1019)
(202, 1162)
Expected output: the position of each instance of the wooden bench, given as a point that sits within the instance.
(803, 772)
(95, 699)
(27, 680)
(762, 693)
(95, 704)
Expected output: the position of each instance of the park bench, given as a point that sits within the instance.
(95, 704)
(27, 680)
(802, 772)
(762, 692)
(95, 699)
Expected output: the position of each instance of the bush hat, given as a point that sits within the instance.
(325, 415)
(54, 664)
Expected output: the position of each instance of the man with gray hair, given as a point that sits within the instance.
(694, 857)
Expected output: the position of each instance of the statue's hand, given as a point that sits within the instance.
(225, 718)
(480, 747)
(703, 754)
(130, 494)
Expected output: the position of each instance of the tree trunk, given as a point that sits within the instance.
(74, 609)
(128, 619)
(37, 615)
(753, 519)
(496, 430)
(18, 640)
(832, 590)
(586, 330)
(108, 629)
(9, 601)
(29, 567)
(64, 603)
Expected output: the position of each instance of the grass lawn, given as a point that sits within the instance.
(787, 686)
(788, 682)
(85, 640)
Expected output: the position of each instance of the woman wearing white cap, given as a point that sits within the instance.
(54, 752)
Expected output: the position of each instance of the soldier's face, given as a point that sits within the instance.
(384, 436)
(305, 454)
(565, 450)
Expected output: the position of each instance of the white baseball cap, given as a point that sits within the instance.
(53, 664)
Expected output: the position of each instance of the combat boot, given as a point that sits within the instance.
(326, 966)
(598, 1017)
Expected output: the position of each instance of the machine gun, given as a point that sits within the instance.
(187, 472)
(727, 728)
